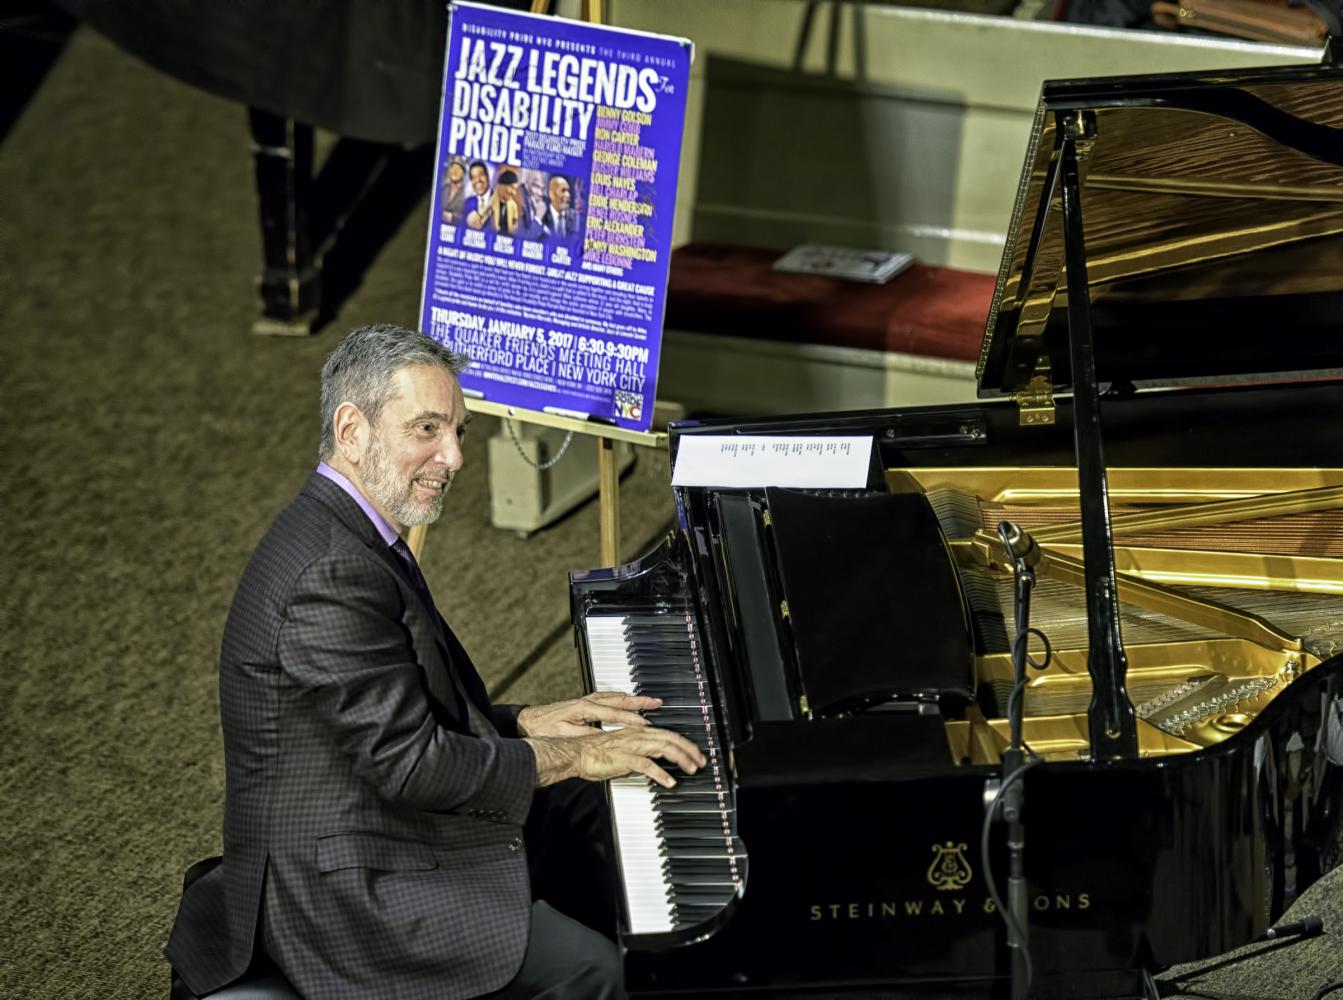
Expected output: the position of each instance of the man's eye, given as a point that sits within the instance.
(427, 428)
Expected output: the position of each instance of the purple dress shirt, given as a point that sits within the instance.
(388, 533)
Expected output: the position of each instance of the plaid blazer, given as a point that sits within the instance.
(375, 802)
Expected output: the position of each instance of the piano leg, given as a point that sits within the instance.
(290, 279)
(320, 232)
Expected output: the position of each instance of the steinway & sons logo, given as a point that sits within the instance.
(949, 872)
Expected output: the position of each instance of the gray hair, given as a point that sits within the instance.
(361, 368)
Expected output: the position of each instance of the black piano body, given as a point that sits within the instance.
(851, 643)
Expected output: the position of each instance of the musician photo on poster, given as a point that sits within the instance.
(474, 205)
(509, 212)
(452, 192)
(553, 277)
(561, 221)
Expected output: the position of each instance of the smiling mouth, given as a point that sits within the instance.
(433, 486)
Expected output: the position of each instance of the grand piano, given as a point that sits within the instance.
(1160, 398)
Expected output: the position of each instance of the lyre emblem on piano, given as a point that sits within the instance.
(949, 870)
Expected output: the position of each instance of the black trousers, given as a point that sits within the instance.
(569, 853)
(571, 954)
(565, 961)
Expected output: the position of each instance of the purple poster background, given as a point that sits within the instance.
(551, 227)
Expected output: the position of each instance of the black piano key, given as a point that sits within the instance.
(689, 807)
(686, 867)
(700, 897)
(687, 852)
(690, 823)
(677, 871)
(712, 837)
(687, 790)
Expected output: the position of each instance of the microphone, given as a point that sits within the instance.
(1019, 545)
(1308, 927)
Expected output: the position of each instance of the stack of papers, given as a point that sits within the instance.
(873, 266)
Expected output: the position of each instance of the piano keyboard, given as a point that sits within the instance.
(680, 859)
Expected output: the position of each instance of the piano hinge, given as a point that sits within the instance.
(804, 705)
(765, 518)
(783, 608)
(1035, 403)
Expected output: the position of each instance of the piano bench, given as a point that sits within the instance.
(744, 338)
(255, 985)
(262, 981)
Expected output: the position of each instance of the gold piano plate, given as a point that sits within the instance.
(1185, 690)
(979, 740)
(1230, 586)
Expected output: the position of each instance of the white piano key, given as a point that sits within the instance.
(647, 893)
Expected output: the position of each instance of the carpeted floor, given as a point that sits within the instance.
(149, 438)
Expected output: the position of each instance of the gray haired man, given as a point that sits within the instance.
(380, 812)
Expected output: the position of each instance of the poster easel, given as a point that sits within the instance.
(608, 471)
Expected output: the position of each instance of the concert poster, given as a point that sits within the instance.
(551, 223)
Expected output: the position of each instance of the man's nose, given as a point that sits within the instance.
(450, 452)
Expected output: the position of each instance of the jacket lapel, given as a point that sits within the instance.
(440, 654)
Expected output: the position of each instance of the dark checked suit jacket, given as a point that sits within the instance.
(375, 802)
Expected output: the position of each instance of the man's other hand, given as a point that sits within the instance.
(575, 717)
(614, 755)
(632, 751)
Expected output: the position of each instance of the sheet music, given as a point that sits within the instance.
(773, 460)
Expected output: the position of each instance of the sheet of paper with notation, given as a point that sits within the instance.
(770, 460)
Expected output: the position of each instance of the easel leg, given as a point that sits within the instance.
(608, 480)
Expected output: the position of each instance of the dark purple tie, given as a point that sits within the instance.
(417, 579)
(471, 689)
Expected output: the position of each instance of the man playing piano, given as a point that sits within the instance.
(381, 815)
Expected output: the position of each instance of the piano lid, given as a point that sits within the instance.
(1213, 213)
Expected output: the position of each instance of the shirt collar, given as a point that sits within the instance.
(388, 533)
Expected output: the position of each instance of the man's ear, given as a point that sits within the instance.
(352, 432)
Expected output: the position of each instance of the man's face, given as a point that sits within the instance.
(559, 194)
(506, 192)
(480, 180)
(536, 189)
(455, 172)
(416, 446)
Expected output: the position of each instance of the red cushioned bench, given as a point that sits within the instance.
(743, 338)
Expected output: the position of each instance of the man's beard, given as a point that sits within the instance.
(396, 495)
